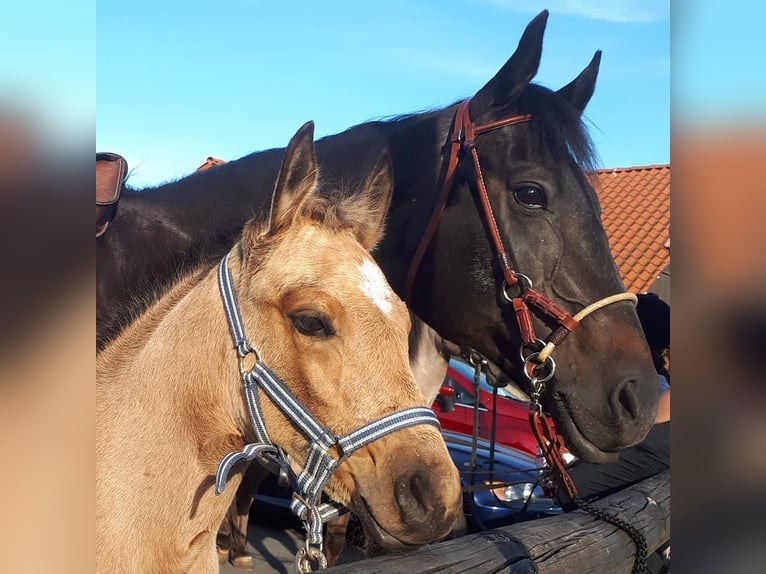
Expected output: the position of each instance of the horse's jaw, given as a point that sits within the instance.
(568, 416)
(576, 442)
(373, 531)
(379, 537)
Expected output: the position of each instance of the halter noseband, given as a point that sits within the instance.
(462, 140)
(320, 464)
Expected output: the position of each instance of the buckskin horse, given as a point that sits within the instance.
(297, 311)
(492, 216)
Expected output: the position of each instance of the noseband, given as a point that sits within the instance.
(320, 464)
(538, 366)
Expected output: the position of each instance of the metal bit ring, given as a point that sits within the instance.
(529, 361)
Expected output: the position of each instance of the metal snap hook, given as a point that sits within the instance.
(504, 286)
(534, 396)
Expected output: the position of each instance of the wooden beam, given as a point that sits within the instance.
(567, 544)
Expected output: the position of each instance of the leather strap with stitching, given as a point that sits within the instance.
(462, 137)
(111, 170)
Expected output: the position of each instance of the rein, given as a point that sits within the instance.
(320, 464)
(538, 366)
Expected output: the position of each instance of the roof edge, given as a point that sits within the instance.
(634, 168)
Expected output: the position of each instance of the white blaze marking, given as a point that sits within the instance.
(375, 286)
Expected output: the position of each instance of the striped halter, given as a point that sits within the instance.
(309, 483)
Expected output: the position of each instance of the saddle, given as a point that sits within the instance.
(111, 170)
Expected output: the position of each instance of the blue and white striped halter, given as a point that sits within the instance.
(320, 464)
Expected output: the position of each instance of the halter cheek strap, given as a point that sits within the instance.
(320, 464)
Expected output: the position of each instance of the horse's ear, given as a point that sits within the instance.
(517, 72)
(579, 91)
(297, 180)
(367, 210)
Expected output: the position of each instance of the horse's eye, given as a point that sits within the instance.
(312, 324)
(530, 195)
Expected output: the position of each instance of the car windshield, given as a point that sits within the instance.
(509, 392)
(501, 391)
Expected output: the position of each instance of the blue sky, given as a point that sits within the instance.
(178, 81)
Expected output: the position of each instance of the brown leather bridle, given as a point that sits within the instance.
(463, 139)
(538, 366)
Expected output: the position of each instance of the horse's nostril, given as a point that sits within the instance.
(625, 402)
(413, 494)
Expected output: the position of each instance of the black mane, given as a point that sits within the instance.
(558, 127)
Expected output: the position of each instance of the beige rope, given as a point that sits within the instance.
(548, 349)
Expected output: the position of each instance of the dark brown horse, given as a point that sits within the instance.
(546, 214)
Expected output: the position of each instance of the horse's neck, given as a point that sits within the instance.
(429, 357)
(152, 241)
(242, 188)
(168, 409)
(180, 332)
(416, 146)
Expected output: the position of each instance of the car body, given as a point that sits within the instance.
(511, 409)
(508, 487)
(508, 483)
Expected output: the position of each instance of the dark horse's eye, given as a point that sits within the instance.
(312, 324)
(530, 195)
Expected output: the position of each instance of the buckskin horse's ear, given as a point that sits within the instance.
(367, 210)
(516, 73)
(297, 180)
(579, 91)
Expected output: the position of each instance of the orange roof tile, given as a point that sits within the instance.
(636, 215)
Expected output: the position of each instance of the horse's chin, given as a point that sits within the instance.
(577, 443)
(375, 533)
(564, 418)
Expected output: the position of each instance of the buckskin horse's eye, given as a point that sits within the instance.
(312, 324)
(530, 195)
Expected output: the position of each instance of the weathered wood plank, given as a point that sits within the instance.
(568, 544)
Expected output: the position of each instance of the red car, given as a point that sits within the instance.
(512, 422)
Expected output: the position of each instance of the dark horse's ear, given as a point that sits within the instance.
(297, 180)
(579, 91)
(516, 73)
(366, 211)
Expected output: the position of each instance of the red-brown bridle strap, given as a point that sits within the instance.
(463, 138)
(469, 144)
(459, 138)
(551, 447)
